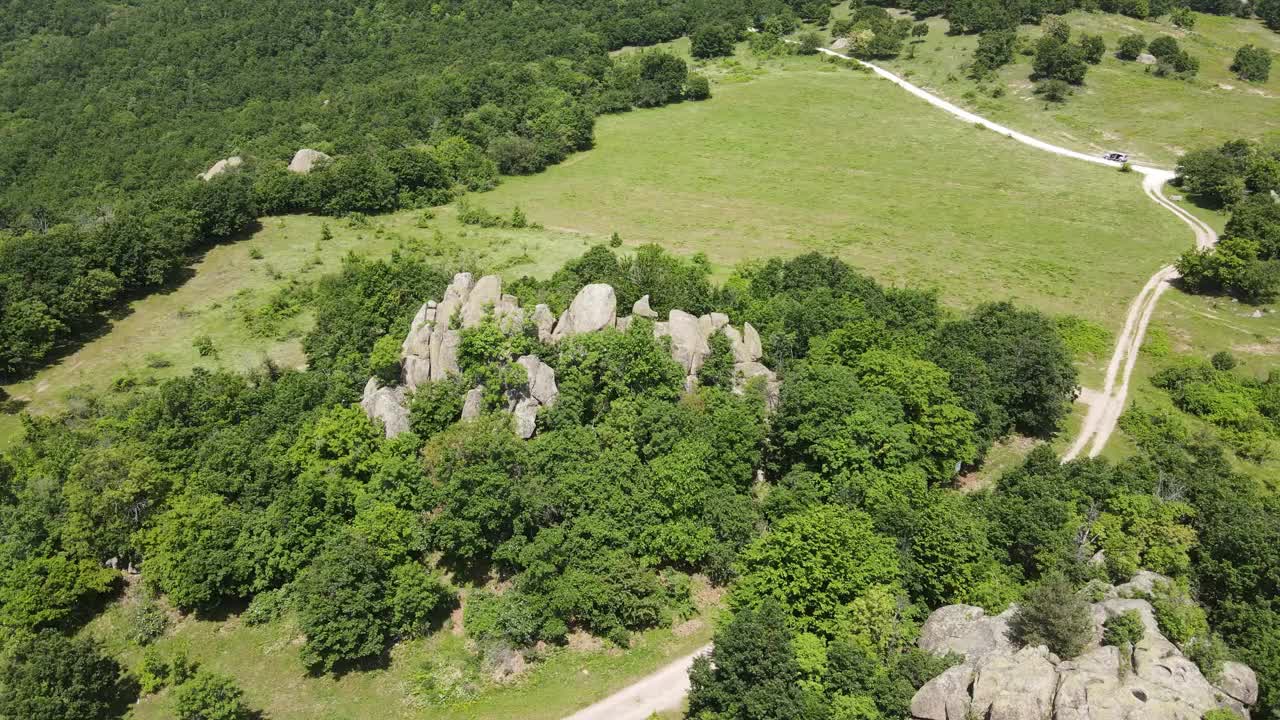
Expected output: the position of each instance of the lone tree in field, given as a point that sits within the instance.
(1131, 46)
(1252, 64)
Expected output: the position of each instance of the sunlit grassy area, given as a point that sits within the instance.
(789, 156)
(1122, 105)
(438, 677)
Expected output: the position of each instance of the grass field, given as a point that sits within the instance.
(791, 156)
(436, 677)
(1122, 106)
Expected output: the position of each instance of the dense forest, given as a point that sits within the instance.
(831, 518)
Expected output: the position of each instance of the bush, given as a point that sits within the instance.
(1208, 653)
(1053, 90)
(1054, 614)
(266, 606)
(1183, 18)
(1180, 618)
(384, 359)
(209, 696)
(615, 240)
(1223, 360)
(1124, 630)
(204, 346)
(1163, 47)
(1131, 46)
(808, 42)
(1252, 64)
(147, 622)
(697, 87)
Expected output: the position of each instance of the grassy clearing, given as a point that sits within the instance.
(838, 161)
(1122, 105)
(789, 156)
(264, 660)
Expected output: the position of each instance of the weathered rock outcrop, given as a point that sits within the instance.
(430, 349)
(222, 166)
(999, 681)
(595, 307)
(306, 160)
(386, 405)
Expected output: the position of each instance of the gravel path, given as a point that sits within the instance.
(663, 690)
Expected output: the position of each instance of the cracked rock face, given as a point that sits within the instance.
(386, 405)
(429, 352)
(998, 681)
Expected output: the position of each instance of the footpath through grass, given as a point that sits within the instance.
(1122, 106)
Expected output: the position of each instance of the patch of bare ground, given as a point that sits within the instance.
(1268, 348)
(979, 478)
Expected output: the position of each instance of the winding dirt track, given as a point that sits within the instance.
(665, 689)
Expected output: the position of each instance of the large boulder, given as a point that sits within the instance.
(688, 343)
(595, 307)
(641, 308)
(385, 405)
(945, 697)
(966, 630)
(473, 403)
(222, 166)
(485, 294)
(1142, 584)
(306, 160)
(544, 321)
(1020, 686)
(1239, 682)
(542, 379)
(444, 353)
(525, 417)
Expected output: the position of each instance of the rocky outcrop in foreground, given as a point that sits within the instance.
(999, 681)
(430, 350)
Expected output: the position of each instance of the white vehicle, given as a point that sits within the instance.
(1116, 157)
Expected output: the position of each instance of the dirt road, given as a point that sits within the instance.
(663, 690)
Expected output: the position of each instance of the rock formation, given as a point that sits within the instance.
(306, 160)
(222, 166)
(1000, 681)
(386, 405)
(430, 349)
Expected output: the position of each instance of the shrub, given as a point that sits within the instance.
(1223, 360)
(1053, 90)
(615, 240)
(49, 676)
(209, 696)
(1131, 46)
(266, 606)
(807, 43)
(1124, 630)
(1054, 614)
(1252, 64)
(384, 359)
(204, 346)
(1183, 18)
(147, 622)
(1180, 618)
(1208, 653)
(1163, 47)
(697, 87)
